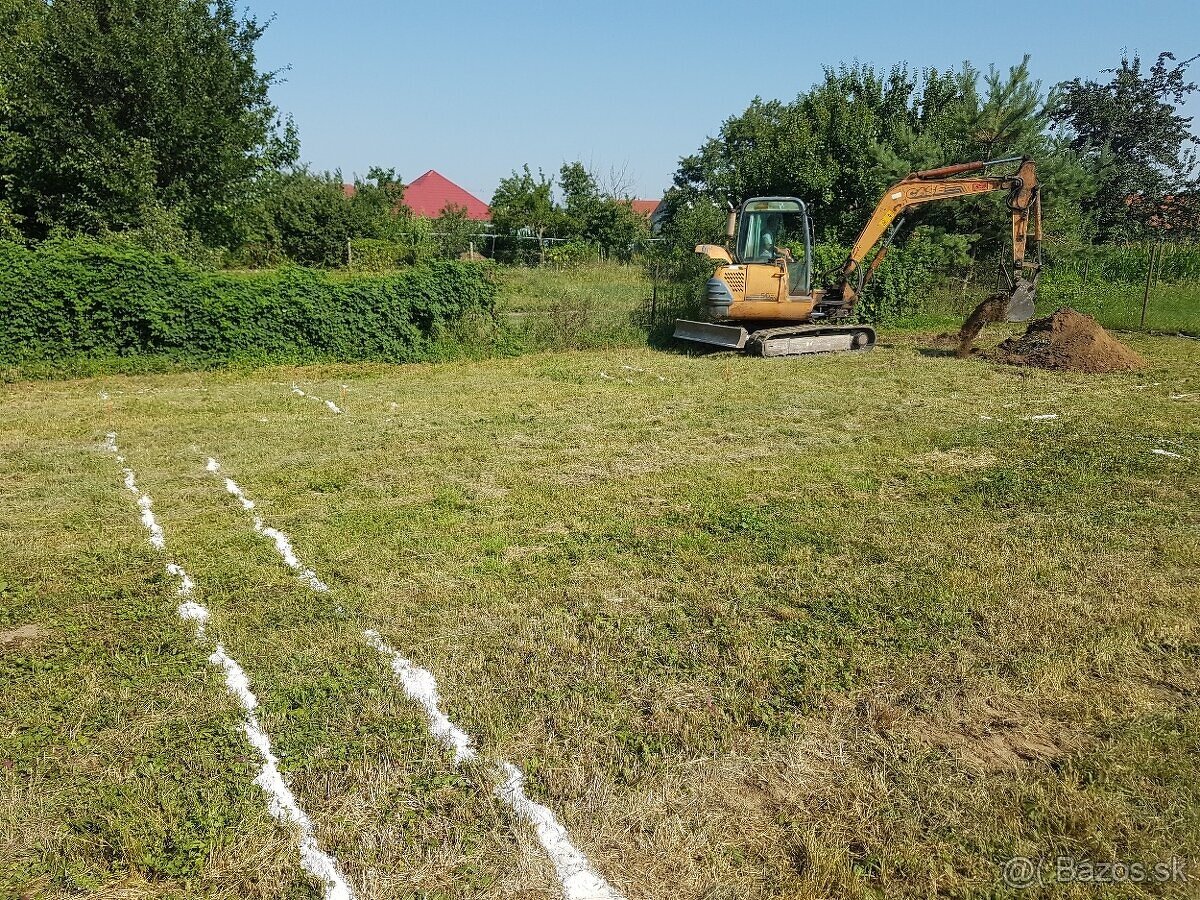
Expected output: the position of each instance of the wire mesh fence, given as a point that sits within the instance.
(1152, 285)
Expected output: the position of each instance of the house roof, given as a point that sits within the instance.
(645, 207)
(433, 192)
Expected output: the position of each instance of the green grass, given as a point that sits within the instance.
(578, 308)
(1169, 307)
(848, 626)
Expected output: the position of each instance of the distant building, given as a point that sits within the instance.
(655, 212)
(432, 193)
(646, 208)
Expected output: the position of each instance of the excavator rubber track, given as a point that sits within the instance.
(801, 340)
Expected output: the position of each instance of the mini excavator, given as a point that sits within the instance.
(761, 300)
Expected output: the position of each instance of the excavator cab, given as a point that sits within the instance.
(775, 231)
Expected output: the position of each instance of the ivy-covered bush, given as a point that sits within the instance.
(78, 297)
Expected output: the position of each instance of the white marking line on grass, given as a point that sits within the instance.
(1168, 453)
(283, 805)
(579, 880)
(329, 404)
(641, 372)
(280, 800)
(421, 686)
(1045, 418)
(145, 504)
(283, 544)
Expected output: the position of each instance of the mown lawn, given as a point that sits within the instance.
(850, 626)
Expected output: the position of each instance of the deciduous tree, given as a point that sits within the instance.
(1134, 136)
(522, 202)
(123, 107)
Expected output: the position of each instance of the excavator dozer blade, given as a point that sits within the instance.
(1021, 301)
(728, 336)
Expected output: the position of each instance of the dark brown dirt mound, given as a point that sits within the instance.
(1068, 340)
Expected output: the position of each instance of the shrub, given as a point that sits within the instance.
(78, 297)
(570, 253)
(377, 255)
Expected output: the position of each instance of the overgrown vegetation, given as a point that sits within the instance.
(80, 298)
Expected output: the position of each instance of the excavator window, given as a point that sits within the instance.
(774, 230)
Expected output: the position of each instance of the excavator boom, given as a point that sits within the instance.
(948, 183)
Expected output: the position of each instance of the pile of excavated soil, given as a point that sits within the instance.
(1068, 340)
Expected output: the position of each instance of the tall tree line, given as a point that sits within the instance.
(154, 117)
(1108, 151)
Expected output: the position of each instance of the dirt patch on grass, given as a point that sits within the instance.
(16, 638)
(995, 737)
(1068, 340)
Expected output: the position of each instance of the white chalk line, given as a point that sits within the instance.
(604, 376)
(283, 544)
(578, 879)
(280, 801)
(328, 404)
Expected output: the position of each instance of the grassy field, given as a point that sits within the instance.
(851, 626)
(1169, 307)
(579, 308)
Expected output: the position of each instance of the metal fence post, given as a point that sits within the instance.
(1149, 280)
(654, 297)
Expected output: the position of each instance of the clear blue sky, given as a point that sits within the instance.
(476, 89)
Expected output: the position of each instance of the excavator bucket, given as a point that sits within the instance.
(1021, 300)
(1015, 306)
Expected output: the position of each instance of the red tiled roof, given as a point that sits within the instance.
(645, 207)
(349, 190)
(432, 193)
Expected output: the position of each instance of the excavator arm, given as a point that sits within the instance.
(949, 183)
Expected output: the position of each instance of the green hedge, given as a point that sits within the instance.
(70, 298)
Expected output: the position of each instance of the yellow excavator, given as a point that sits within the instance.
(762, 300)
